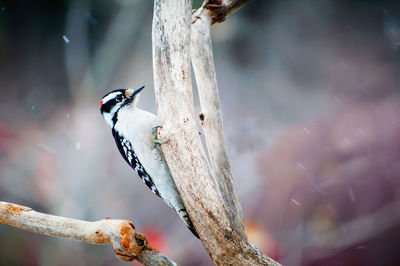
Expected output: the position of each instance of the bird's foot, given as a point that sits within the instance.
(158, 139)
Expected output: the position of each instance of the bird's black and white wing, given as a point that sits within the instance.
(127, 151)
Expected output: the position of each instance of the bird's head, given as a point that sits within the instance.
(113, 101)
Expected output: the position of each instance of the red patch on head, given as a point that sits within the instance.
(101, 103)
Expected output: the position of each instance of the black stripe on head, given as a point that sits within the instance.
(106, 107)
(109, 104)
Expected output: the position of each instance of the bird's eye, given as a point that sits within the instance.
(119, 98)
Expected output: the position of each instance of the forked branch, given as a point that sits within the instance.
(206, 188)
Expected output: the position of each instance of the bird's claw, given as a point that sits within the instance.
(157, 138)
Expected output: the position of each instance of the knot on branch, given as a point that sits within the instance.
(219, 11)
(129, 243)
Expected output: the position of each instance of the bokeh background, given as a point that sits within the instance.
(310, 99)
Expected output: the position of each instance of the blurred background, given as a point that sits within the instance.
(311, 106)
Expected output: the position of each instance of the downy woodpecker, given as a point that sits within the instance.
(135, 132)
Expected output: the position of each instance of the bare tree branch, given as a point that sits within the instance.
(127, 243)
(221, 9)
(184, 153)
(211, 117)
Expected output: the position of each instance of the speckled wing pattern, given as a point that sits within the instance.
(126, 150)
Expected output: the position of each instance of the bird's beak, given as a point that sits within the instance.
(138, 90)
(130, 92)
(100, 104)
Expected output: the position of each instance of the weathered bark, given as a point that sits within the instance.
(211, 117)
(209, 198)
(127, 243)
(184, 152)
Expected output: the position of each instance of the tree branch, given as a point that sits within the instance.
(211, 117)
(221, 9)
(211, 120)
(184, 152)
(127, 243)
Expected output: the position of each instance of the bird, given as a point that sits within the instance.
(135, 132)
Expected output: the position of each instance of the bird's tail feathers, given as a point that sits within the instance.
(185, 217)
